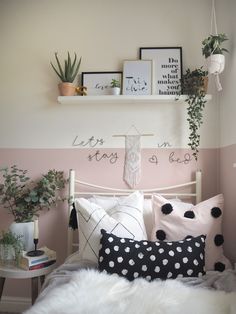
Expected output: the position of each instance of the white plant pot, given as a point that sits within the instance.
(26, 231)
(215, 63)
(115, 90)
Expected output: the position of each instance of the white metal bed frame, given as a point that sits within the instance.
(108, 191)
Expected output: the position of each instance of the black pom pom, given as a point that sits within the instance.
(219, 266)
(189, 214)
(161, 235)
(73, 223)
(216, 212)
(219, 239)
(166, 209)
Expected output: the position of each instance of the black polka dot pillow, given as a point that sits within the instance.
(151, 260)
(175, 223)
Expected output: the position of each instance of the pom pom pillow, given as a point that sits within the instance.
(174, 223)
(125, 219)
(132, 259)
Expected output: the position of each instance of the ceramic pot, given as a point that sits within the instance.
(215, 63)
(67, 89)
(115, 90)
(26, 231)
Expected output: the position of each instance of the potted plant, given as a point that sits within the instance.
(115, 87)
(194, 86)
(67, 74)
(11, 247)
(213, 51)
(24, 198)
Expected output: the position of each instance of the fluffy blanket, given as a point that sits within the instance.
(91, 292)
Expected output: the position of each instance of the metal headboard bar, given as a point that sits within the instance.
(113, 191)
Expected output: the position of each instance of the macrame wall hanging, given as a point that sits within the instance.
(132, 164)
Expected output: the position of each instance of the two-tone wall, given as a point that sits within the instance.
(37, 133)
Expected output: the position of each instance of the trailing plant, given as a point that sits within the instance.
(24, 198)
(10, 239)
(71, 68)
(115, 83)
(213, 45)
(193, 85)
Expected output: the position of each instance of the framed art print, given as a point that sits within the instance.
(99, 83)
(167, 68)
(137, 77)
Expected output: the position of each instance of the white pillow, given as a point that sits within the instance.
(125, 219)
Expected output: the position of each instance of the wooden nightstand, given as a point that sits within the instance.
(37, 277)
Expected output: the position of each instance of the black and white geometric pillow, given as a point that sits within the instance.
(125, 219)
(173, 222)
(132, 259)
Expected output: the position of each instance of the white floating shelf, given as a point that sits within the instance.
(122, 99)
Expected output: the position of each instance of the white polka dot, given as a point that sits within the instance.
(145, 243)
(100, 258)
(189, 272)
(110, 239)
(149, 248)
(169, 275)
(169, 243)
(107, 251)
(116, 248)
(157, 243)
(124, 272)
(140, 255)
(179, 249)
(181, 241)
(197, 244)
(120, 259)
(180, 276)
(165, 261)
(131, 262)
(148, 278)
(200, 274)
(201, 256)
(137, 245)
(122, 240)
(161, 251)
(157, 269)
(185, 260)
(131, 241)
(171, 253)
(189, 249)
(144, 268)
(127, 249)
(202, 239)
(189, 239)
(152, 257)
(136, 275)
(177, 265)
(111, 264)
(195, 262)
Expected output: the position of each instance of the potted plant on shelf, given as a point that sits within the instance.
(213, 51)
(115, 87)
(24, 198)
(11, 247)
(194, 86)
(67, 75)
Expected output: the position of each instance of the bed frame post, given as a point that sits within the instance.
(71, 196)
(198, 186)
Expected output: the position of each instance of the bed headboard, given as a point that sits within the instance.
(78, 188)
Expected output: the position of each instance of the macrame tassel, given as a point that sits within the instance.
(73, 223)
(132, 167)
(218, 84)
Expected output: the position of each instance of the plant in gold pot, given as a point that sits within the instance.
(67, 74)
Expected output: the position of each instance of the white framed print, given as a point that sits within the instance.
(99, 83)
(167, 68)
(137, 77)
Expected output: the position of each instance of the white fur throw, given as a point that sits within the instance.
(91, 292)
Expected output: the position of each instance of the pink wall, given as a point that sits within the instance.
(158, 169)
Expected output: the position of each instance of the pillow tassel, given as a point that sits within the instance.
(73, 223)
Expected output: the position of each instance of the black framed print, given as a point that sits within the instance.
(99, 83)
(167, 68)
(137, 77)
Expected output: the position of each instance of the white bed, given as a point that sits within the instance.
(78, 286)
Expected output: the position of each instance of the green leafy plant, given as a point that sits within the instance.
(213, 45)
(24, 198)
(71, 68)
(193, 86)
(9, 239)
(115, 83)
